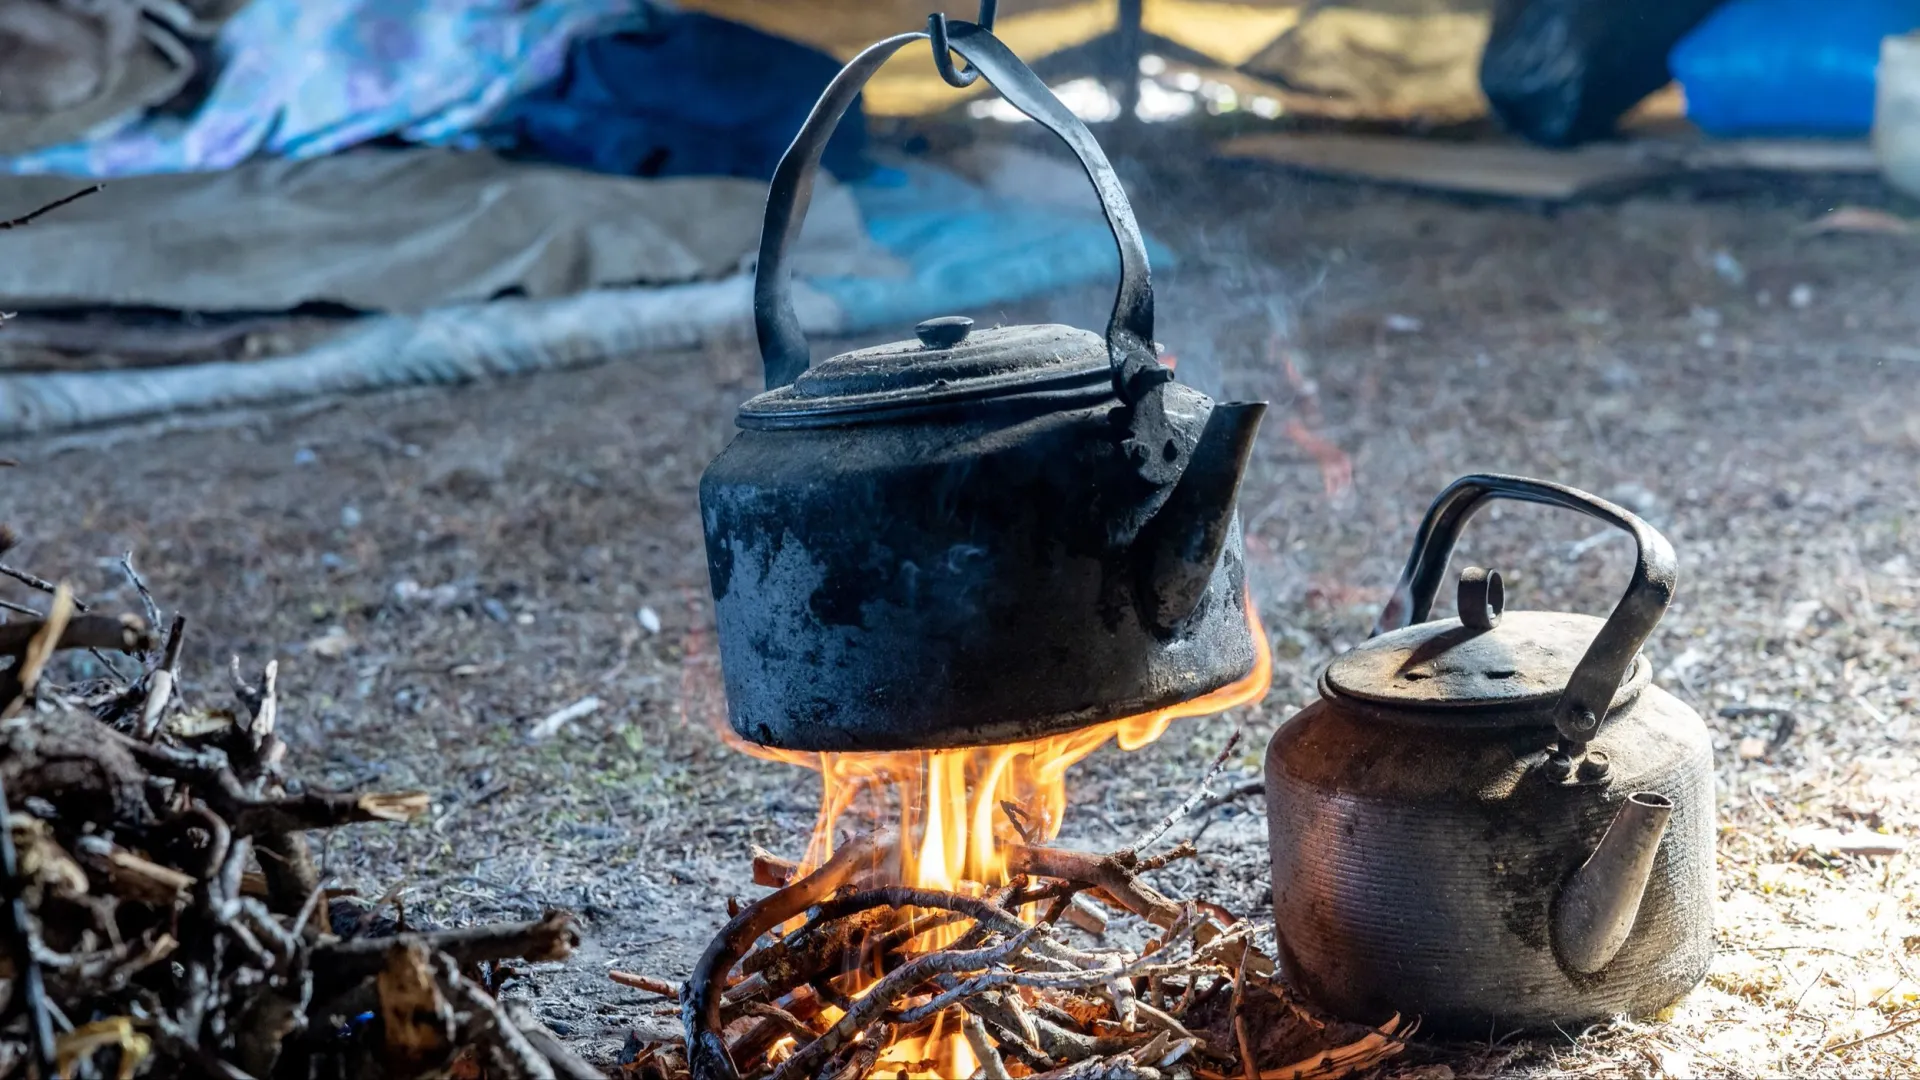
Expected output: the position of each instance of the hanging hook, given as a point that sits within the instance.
(942, 58)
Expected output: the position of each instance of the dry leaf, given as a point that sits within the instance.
(1669, 1063)
(395, 806)
(201, 723)
(417, 1021)
(83, 1042)
(1860, 219)
(146, 880)
(332, 645)
(1846, 841)
(41, 858)
(40, 649)
(1346, 1060)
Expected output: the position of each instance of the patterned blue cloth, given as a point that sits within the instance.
(307, 78)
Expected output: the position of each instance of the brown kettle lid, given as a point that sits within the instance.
(1491, 676)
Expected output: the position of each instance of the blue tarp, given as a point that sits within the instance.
(1788, 67)
(968, 249)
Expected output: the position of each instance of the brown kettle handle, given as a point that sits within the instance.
(1598, 676)
(783, 344)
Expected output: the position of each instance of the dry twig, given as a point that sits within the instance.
(31, 216)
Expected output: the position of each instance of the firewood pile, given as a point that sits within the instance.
(817, 979)
(163, 912)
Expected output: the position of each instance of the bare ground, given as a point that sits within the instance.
(436, 572)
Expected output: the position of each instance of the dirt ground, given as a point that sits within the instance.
(438, 571)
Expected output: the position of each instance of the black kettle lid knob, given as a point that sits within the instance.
(944, 332)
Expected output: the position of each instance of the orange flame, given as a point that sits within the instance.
(955, 835)
(949, 801)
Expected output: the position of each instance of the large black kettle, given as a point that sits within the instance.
(980, 535)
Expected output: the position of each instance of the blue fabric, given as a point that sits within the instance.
(687, 95)
(968, 250)
(307, 78)
(1788, 66)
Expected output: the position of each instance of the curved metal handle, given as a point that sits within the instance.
(783, 345)
(1598, 676)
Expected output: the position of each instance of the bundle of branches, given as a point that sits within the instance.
(163, 911)
(820, 977)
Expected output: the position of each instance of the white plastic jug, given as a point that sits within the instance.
(1896, 112)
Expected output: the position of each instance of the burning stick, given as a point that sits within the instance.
(991, 1067)
(890, 988)
(771, 871)
(700, 998)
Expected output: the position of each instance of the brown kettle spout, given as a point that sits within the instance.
(1598, 905)
(1185, 538)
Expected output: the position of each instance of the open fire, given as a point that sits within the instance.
(958, 814)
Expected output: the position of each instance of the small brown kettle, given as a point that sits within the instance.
(1496, 822)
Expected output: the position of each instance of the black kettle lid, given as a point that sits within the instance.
(1507, 673)
(948, 363)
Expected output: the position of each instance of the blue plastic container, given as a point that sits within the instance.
(1788, 67)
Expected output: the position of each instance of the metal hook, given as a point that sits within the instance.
(943, 59)
(960, 78)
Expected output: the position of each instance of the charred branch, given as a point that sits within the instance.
(701, 997)
(124, 633)
(550, 938)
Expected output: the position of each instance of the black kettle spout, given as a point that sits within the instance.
(1182, 544)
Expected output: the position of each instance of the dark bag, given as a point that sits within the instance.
(691, 95)
(1563, 72)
